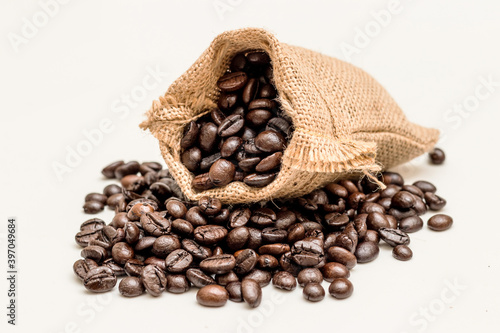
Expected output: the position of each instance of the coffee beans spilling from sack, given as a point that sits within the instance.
(243, 138)
(157, 241)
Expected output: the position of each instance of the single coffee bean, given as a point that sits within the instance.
(139, 209)
(270, 141)
(251, 292)
(198, 251)
(178, 261)
(218, 264)
(250, 90)
(134, 267)
(238, 63)
(277, 249)
(309, 275)
(394, 237)
(230, 146)
(133, 183)
(232, 81)
(434, 202)
(258, 58)
(336, 219)
(82, 266)
(263, 216)
(114, 200)
(122, 252)
(413, 190)
(279, 125)
(212, 295)
(176, 209)
(210, 234)
(249, 164)
(227, 101)
(411, 224)
(267, 261)
(307, 253)
(239, 217)
(208, 137)
(96, 197)
(425, 186)
(131, 286)
(99, 279)
(94, 252)
(371, 236)
(128, 168)
(392, 178)
(231, 125)
(284, 280)
(333, 270)
(154, 280)
(274, 235)
(261, 103)
(420, 207)
(267, 91)
(158, 262)
(295, 233)
(269, 163)
(313, 292)
(393, 222)
(217, 116)
(360, 224)
(191, 158)
(259, 180)
(222, 172)
(155, 224)
(262, 277)
(343, 256)
(400, 214)
(118, 270)
(376, 221)
(198, 278)
(93, 207)
(285, 219)
(109, 171)
(234, 290)
(190, 136)
(403, 200)
(257, 117)
(250, 148)
(440, 222)
(402, 252)
(226, 278)
(164, 245)
(341, 288)
(437, 156)
(237, 238)
(390, 191)
(366, 252)
(202, 182)
(177, 284)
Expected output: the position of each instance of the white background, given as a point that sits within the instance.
(77, 69)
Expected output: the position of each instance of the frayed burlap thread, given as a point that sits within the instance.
(344, 121)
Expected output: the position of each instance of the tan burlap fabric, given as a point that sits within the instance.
(345, 121)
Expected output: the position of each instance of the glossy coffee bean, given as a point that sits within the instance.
(164, 245)
(154, 280)
(155, 224)
(234, 291)
(267, 261)
(109, 170)
(343, 256)
(313, 292)
(270, 141)
(212, 295)
(129, 168)
(231, 125)
(341, 288)
(251, 292)
(245, 261)
(259, 180)
(433, 201)
(437, 156)
(93, 207)
(284, 280)
(202, 182)
(366, 252)
(232, 81)
(394, 237)
(222, 172)
(279, 125)
(218, 264)
(122, 252)
(82, 266)
(177, 284)
(96, 197)
(178, 261)
(425, 186)
(375, 221)
(230, 146)
(198, 278)
(226, 278)
(99, 279)
(269, 163)
(199, 252)
(208, 137)
(309, 275)
(131, 286)
(333, 270)
(411, 224)
(134, 267)
(392, 178)
(440, 222)
(371, 236)
(402, 252)
(258, 117)
(210, 234)
(94, 252)
(190, 136)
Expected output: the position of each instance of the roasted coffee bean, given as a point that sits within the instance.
(82, 266)
(198, 251)
(217, 116)
(343, 256)
(257, 117)
(132, 232)
(221, 172)
(366, 252)
(356, 199)
(121, 252)
(376, 221)
(270, 141)
(207, 138)
(394, 237)
(109, 171)
(276, 249)
(250, 148)
(307, 253)
(295, 233)
(400, 214)
(425, 186)
(360, 224)
(259, 180)
(258, 58)
(129, 168)
(392, 178)
(134, 267)
(139, 209)
(341, 288)
(96, 197)
(177, 284)
(234, 290)
(263, 216)
(371, 207)
(413, 190)
(372, 197)
(249, 164)
(437, 156)
(176, 209)
(434, 202)
(250, 90)
(93, 207)
(371, 236)
(147, 167)
(313, 292)
(267, 261)
(94, 252)
(155, 224)
(333, 270)
(232, 81)
(196, 217)
(99, 279)
(279, 125)
(403, 200)
(274, 235)
(227, 101)
(198, 278)
(393, 222)
(269, 163)
(238, 63)
(231, 125)
(164, 245)
(218, 264)
(390, 191)
(385, 202)
(440, 222)
(289, 265)
(267, 91)
(210, 234)
(178, 261)
(132, 183)
(118, 270)
(230, 146)
(411, 224)
(154, 280)
(336, 219)
(114, 200)
(84, 237)
(420, 207)
(190, 136)
(159, 262)
(237, 238)
(285, 219)
(131, 286)
(261, 103)
(191, 158)
(284, 280)
(212, 295)
(309, 275)
(239, 217)
(226, 278)
(262, 277)
(402, 252)
(251, 292)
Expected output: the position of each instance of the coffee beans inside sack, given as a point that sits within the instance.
(241, 96)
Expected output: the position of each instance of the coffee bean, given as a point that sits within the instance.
(366, 252)
(257, 117)
(392, 178)
(238, 63)
(154, 280)
(263, 217)
(262, 277)
(234, 290)
(276, 249)
(269, 163)
(402, 252)
(212, 296)
(202, 182)
(425, 186)
(411, 224)
(434, 202)
(237, 238)
(267, 91)
(333, 270)
(114, 200)
(208, 137)
(178, 261)
(82, 266)
(99, 279)
(270, 141)
(267, 261)
(307, 253)
(139, 209)
(390, 191)
(121, 252)
(336, 219)
(232, 81)
(109, 171)
(134, 267)
(376, 221)
(198, 251)
(218, 264)
(96, 197)
(222, 172)
(309, 275)
(393, 222)
(440, 222)
(94, 252)
(227, 101)
(341, 288)
(176, 209)
(343, 256)
(251, 292)
(393, 237)
(313, 292)
(230, 146)
(177, 284)
(226, 278)
(284, 280)
(239, 217)
(164, 245)
(190, 136)
(93, 207)
(155, 224)
(274, 235)
(250, 90)
(198, 278)
(132, 232)
(210, 234)
(129, 168)
(131, 286)
(231, 125)
(437, 156)
(403, 200)
(279, 125)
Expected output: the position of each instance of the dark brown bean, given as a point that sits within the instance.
(402, 252)
(341, 288)
(440, 222)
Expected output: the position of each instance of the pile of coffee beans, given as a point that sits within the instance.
(159, 242)
(243, 139)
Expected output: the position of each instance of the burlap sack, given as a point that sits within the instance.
(345, 121)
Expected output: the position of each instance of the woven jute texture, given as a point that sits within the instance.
(344, 121)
